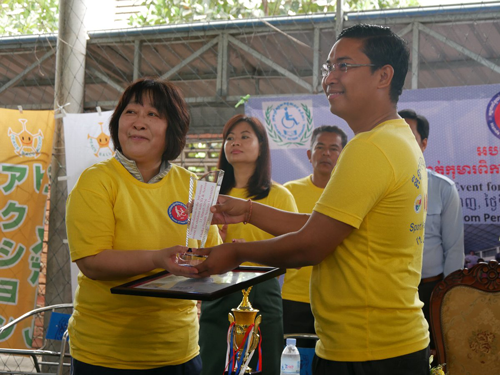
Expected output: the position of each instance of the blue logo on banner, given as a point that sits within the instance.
(289, 124)
(178, 213)
(493, 115)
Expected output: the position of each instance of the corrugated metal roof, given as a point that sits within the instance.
(260, 61)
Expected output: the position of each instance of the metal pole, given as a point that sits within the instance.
(415, 48)
(315, 77)
(137, 59)
(339, 19)
(69, 88)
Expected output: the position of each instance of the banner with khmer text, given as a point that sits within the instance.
(25, 154)
(464, 145)
(87, 141)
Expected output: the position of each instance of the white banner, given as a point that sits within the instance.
(464, 145)
(87, 141)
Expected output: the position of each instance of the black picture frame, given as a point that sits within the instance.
(160, 284)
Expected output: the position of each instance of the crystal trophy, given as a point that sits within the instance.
(205, 190)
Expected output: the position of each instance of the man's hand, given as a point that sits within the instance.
(221, 259)
(229, 210)
(167, 260)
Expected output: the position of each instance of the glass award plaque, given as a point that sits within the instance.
(205, 190)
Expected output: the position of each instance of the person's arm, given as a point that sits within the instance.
(90, 225)
(319, 237)
(229, 210)
(452, 231)
(117, 264)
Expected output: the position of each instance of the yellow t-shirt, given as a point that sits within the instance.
(110, 209)
(364, 294)
(279, 197)
(296, 284)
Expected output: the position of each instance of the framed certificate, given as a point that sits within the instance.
(167, 285)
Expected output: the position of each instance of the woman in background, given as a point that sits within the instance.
(124, 218)
(245, 159)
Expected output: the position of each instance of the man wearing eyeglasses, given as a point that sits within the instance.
(365, 235)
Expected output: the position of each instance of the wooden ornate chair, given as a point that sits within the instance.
(465, 317)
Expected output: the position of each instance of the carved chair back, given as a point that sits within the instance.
(465, 317)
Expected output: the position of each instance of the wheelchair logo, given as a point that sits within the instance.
(289, 124)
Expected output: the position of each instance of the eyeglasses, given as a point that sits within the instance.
(342, 67)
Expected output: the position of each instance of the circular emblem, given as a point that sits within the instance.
(493, 115)
(178, 213)
(289, 124)
(418, 204)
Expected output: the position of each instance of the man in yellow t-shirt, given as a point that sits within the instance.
(326, 144)
(365, 236)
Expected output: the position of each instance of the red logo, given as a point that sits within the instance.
(178, 213)
(493, 115)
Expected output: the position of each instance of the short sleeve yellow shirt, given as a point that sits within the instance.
(296, 284)
(279, 197)
(110, 209)
(364, 294)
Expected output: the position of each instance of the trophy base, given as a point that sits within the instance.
(247, 373)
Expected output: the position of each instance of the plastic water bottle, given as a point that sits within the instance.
(290, 359)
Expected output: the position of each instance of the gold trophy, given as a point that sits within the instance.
(243, 318)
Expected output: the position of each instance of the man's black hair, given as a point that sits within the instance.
(329, 129)
(383, 47)
(422, 123)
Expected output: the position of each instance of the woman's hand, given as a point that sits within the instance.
(229, 210)
(167, 259)
(119, 264)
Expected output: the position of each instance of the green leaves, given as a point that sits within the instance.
(181, 11)
(41, 16)
(28, 17)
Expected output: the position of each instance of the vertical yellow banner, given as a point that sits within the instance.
(25, 154)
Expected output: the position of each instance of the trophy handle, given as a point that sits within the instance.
(231, 318)
(256, 336)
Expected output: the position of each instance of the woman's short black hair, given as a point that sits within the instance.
(168, 101)
(260, 182)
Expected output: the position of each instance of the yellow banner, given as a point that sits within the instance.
(25, 154)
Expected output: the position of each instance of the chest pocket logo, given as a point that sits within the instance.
(178, 213)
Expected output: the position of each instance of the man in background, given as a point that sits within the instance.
(444, 229)
(326, 144)
(471, 259)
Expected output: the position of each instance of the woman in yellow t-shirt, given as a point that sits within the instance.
(245, 159)
(124, 218)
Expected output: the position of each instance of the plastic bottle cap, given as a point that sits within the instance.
(291, 342)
